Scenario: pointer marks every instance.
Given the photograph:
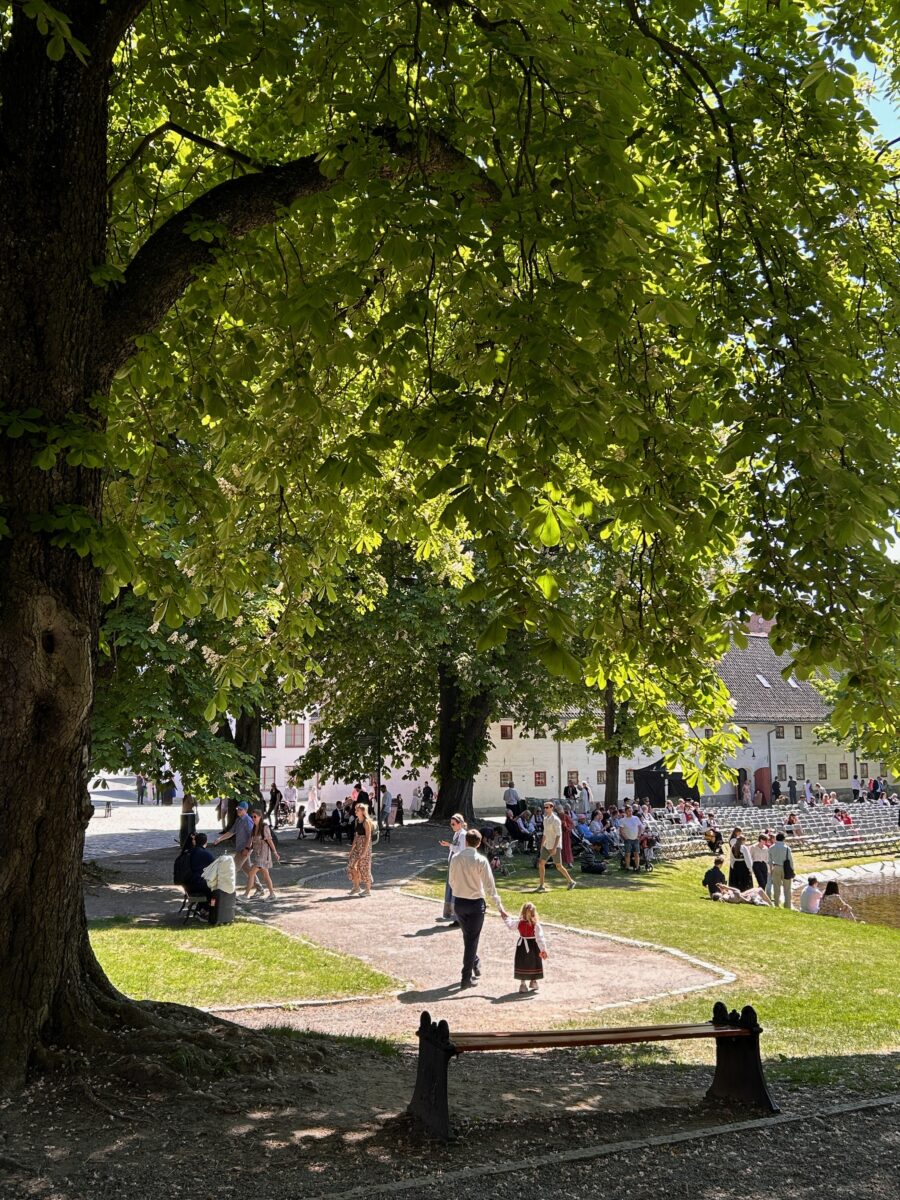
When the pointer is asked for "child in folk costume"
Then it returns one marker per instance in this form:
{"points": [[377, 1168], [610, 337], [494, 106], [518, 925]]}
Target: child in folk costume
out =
{"points": [[531, 948]]}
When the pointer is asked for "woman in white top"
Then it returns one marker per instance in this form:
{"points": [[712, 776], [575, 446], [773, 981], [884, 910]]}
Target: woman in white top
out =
{"points": [[454, 846]]}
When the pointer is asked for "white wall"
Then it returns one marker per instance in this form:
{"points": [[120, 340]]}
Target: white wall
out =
{"points": [[523, 756]]}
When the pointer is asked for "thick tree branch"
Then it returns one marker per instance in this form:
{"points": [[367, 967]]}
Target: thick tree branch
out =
{"points": [[189, 242], [176, 254]]}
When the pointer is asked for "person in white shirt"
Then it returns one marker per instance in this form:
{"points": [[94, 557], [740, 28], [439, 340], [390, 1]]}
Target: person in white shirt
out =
{"points": [[386, 801], [455, 845], [759, 860], [854, 787], [585, 797], [471, 880], [630, 829], [511, 798], [551, 847], [811, 896]]}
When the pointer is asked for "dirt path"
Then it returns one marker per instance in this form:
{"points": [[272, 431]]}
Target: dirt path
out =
{"points": [[399, 933]]}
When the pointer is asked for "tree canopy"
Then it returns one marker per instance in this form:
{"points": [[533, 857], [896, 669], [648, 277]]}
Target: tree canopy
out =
{"points": [[282, 280]]}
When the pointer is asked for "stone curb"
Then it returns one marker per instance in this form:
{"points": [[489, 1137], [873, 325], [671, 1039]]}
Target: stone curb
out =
{"points": [[461, 1178], [864, 873]]}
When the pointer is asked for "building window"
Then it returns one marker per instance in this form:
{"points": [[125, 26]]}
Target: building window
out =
{"points": [[572, 777], [540, 779], [793, 682], [801, 771], [762, 679], [707, 733], [269, 739], [506, 779], [267, 777], [601, 777], [864, 770], [844, 771], [629, 776], [782, 772], [506, 733], [884, 768], [779, 731], [294, 736], [823, 770], [798, 731]]}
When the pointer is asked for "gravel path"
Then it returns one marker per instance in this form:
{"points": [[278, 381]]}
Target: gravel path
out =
{"points": [[399, 933]]}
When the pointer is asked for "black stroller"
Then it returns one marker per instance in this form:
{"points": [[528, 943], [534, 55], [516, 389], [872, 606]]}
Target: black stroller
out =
{"points": [[649, 842]]}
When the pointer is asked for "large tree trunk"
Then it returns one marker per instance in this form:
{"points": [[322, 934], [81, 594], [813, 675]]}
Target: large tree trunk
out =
{"points": [[612, 759], [462, 736], [52, 200]]}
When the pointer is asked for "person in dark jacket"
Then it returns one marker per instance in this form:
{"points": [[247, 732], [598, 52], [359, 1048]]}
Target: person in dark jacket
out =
{"points": [[714, 876], [200, 859]]}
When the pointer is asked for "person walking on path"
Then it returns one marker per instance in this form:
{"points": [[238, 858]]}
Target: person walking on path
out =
{"points": [[551, 847], [531, 949], [471, 880], [262, 848], [781, 869], [141, 784], [242, 832], [359, 865], [454, 846]]}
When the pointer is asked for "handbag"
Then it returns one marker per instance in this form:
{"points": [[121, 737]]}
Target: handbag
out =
{"points": [[789, 872]]}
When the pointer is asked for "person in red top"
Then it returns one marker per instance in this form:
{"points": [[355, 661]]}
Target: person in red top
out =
{"points": [[568, 824], [531, 949]]}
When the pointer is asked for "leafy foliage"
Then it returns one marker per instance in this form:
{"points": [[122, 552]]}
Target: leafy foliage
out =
{"points": [[156, 695], [533, 277]]}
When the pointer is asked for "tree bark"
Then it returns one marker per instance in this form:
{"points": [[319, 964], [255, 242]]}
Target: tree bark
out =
{"points": [[462, 738], [53, 130]]}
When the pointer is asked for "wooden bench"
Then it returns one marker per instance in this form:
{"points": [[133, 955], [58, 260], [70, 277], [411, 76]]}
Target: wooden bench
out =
{"points": [[738, 1075]]}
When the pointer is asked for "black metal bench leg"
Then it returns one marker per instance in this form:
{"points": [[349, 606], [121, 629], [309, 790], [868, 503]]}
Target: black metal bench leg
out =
{"points": [[739, 1072], [429, 1105]]}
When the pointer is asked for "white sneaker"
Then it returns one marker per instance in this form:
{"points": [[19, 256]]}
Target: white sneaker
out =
{"points": [[355, 891], [367, 892], [523, 987]]}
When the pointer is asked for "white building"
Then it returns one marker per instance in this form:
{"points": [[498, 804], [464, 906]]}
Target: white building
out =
{"points": [[779, 715]]}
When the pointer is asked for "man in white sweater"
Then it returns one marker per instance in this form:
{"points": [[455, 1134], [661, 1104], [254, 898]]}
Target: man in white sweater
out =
{"points": [[471, 880], [551, 846]]}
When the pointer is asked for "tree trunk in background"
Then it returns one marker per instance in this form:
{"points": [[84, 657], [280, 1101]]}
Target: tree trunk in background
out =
{"points": [[612, 760], [462, 737], [248, 739], [53, 128]]}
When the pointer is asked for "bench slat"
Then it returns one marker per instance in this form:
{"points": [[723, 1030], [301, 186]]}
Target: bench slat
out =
{"points": [[542, 1039]]}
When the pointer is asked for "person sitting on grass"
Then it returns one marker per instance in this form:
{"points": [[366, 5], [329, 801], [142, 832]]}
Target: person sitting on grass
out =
{"points": [[714, 876], [833, 904], [733, 895]]}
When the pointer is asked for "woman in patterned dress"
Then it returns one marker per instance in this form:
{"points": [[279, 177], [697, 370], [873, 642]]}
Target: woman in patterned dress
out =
{"points": [[359, 865], [262, 847]]}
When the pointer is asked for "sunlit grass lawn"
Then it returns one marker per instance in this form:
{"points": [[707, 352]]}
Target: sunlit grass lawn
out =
{"points": [[821, 987], [241, 963]]}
